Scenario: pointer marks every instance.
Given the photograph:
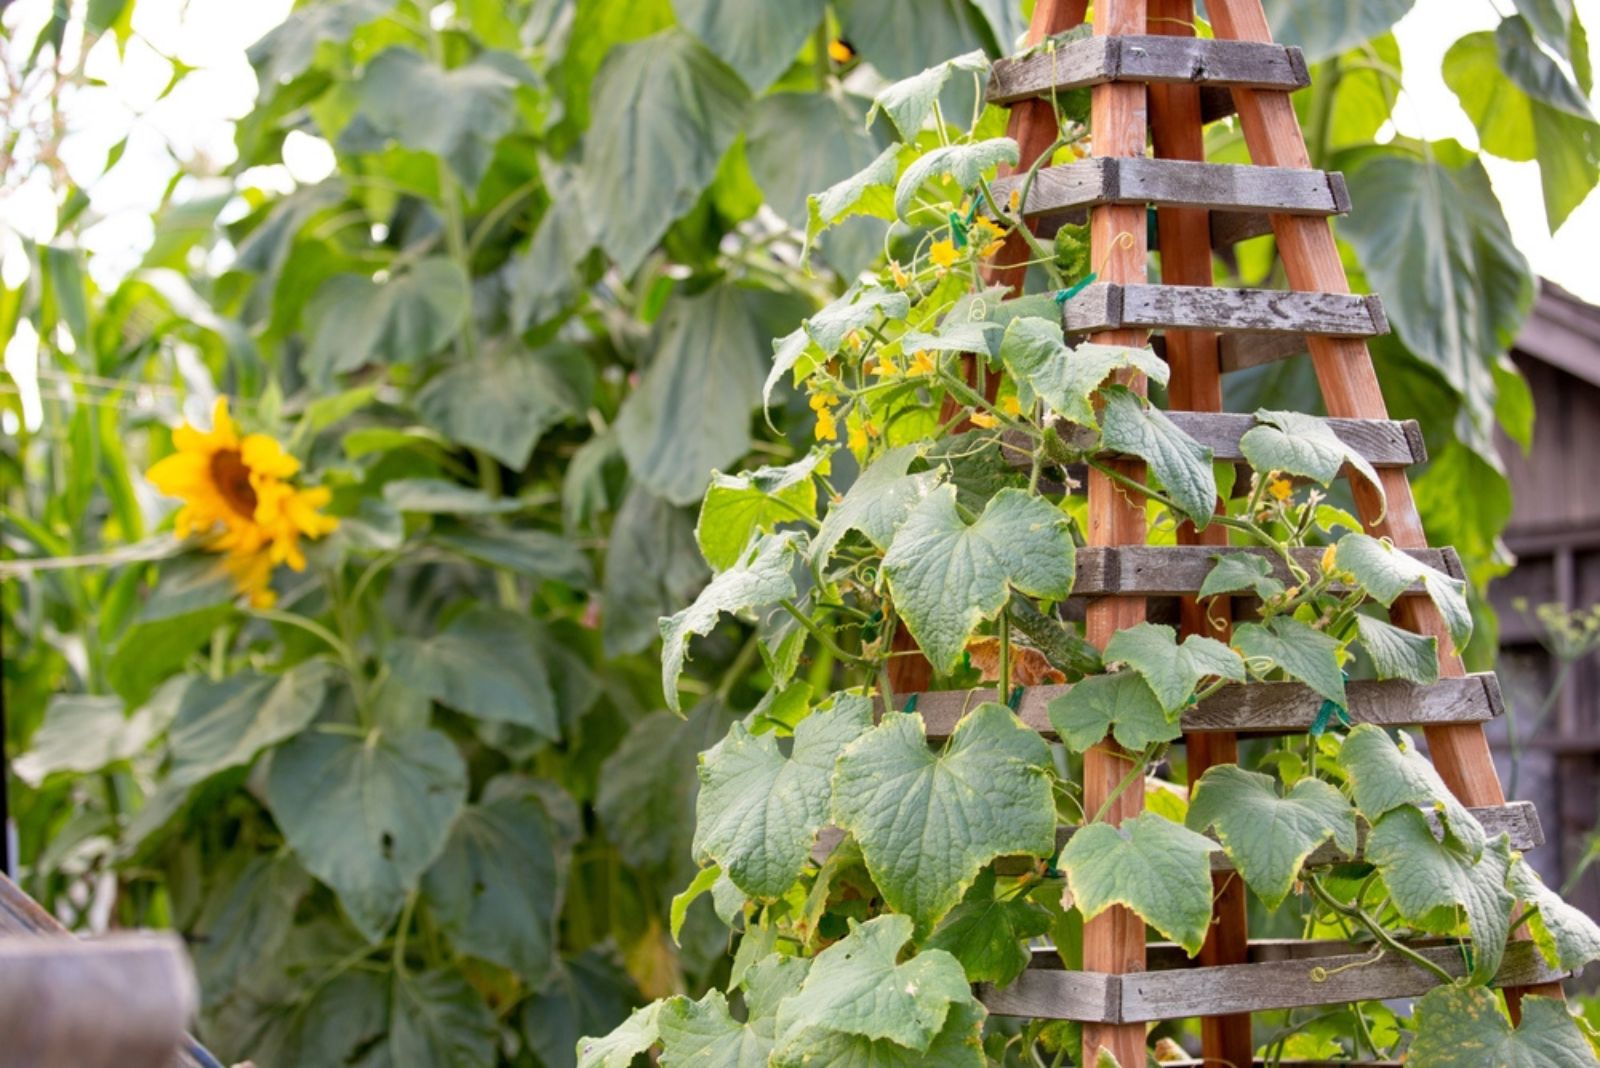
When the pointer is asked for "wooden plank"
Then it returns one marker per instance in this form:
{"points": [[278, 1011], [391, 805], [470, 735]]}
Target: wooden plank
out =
{"points": [[1147, 58], [1109, 306], [1228, 228], [1302, 979], [120, 1002], [1259, 707], [1075, 186], [1175, 570]]}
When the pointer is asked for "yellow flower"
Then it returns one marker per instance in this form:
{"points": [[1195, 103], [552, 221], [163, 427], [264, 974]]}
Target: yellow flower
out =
{"points": [[858, 437], [819, 401], [884, 367], [827, 426], [235, 492], [988, 236], [839, 50], [901, 279], [943, 253], [921, 363], [1010, 404], [1014, 201], [1281, 488], [1328, 556], [984, 419]]}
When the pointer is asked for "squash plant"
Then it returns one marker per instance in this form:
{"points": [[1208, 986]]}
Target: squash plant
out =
{"points": [[947, 513]]}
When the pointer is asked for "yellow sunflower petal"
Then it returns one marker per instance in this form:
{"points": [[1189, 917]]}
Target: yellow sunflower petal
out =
{"points": [[264, 456]]}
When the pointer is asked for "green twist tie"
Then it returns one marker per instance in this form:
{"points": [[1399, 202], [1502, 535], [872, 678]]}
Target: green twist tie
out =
{"points": [[1015, 699], [958, 231], [1325, 714], [911, 704], [1064, 295]]}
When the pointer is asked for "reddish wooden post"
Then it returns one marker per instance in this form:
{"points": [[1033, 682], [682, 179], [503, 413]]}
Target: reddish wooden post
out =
{"points": [[1196, 385], [1113, 941], [1460, 751]]}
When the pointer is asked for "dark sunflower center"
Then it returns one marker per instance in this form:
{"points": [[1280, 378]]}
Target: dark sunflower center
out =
{"points": [[232, 479]]}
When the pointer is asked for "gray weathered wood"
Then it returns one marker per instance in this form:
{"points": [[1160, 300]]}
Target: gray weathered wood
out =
{"points": [[1108, 306], [1240, 352], [20, 915], [1176, 570], [1381, 442], [1517, 819], [1215, 186], [120, 1002], [1258, 707], [1097, 60], [1309, 977]]}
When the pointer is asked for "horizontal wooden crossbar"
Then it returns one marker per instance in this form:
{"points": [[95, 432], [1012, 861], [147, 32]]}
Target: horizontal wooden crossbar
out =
{"points": [[1381, 442], [1142, 58], [1307, 973], [1179, 570], [1518, 820], [1074, 187], [1108, 306], [1257, 707]]}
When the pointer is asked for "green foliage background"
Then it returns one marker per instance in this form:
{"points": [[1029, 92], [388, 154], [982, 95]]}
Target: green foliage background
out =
{"points": [[432, 809]]}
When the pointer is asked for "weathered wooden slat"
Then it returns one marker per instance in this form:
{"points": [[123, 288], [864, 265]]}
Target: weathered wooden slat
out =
{"points": [[1170, 182], [1106, 306], [1306, 977], [1259, 707], [1176, 570], [121, 1002], [1517, 819], [1143, 58]]}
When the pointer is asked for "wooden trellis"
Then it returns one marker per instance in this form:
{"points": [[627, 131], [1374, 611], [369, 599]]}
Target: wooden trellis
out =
{"points": [[1154, 86]]}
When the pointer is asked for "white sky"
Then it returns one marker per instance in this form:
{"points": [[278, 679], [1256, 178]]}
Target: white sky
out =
{"points": [[211, 35]]}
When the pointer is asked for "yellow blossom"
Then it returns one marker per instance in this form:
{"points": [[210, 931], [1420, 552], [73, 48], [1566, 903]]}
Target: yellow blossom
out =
{"points": [[819, 401], [901, 279], [921, 363], [1010, 404], [858, 438], [1281, 488], [984, 419], [988, 236], [236, 494], [885, 367], [1328, 556], [943, 253], [827, 426], [839, 50], [1014, 201]]}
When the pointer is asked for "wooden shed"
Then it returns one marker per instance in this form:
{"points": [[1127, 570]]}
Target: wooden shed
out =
{"points": [[1555, 535]]}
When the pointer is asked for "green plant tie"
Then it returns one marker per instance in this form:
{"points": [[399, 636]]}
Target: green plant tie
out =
{"points": [[959, 225], [1152, 233], [1064, 295], [1327, 711], [966, 661], [1015, 699], [911, 704]]}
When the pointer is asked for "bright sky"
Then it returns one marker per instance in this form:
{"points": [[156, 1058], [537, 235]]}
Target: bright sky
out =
{"points": [[195, 120]]}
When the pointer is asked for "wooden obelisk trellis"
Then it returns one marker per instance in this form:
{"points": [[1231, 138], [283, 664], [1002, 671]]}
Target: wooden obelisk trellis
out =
{"points": [[1152, 78]]}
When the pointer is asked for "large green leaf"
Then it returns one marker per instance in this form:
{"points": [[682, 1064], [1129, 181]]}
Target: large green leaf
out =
{"points": [[288, 49], [909, 101], [1424, 875], [438, 496], [1385, 572], [632, 1037], [354, 320], [1179, 463], [758, 40], [875, 504], [948, 576], [245, 920], [458, 115], [653, 568], [1268, 836], [837, 144], [958, 1045], [587, 994], [928, 820], [763, 576], [665, 110], [1234, 572], [547, 276], [858, 987], [858, 308], [1397, 653], [705, 1033], [367, 815], [504, 401], [437, 1018], [1433, 240], [989, 935], [1566, 936], [1159, 869], [1173, 670], [1121, 704], [83, 733], [1066, 378], [1385, 776], [486, 663], [737, 506], [1323, 30], [225, 724], [902, 37], [870, 191], [1299, 649], [759, 810], [538, 554], [964, 163], [327, 1024], [709, 359], [1462, 1027], [497, 887], [1304, 445]]}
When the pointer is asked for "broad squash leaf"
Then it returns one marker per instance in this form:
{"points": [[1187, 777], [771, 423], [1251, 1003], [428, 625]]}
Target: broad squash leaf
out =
{"points": [[988, 934], [653, 568], [438, 1018], [948, 576], [1323, 30], [289, 48], [1179, 463], [909, 101], [1566, 936], [1066, 379], [633, 1036], [86, 732], [1397, 653], [1234, 572], [876, 504], [870, 191], [928, 820], [354, 320], [1159, 869], [1386, 573], [1303, 445], [585, 995], [858, 308], [959, 1044], [1120, 704], [1386, 775], [737, 506], [1268, 836], [225, 724], [964, 163], [758, 40], [487, 663], [1173, 670], [837, 145], [1299, 649], [246, 919], [504, 401], [705, 1033], [1460, 1027]]}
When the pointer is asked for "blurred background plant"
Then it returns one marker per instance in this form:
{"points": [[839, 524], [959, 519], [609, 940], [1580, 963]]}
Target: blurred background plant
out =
{"points": [[502, 277]]}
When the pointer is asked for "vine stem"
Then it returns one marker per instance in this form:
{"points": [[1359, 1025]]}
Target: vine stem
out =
{"points": [[1134, 775], [1376, 929], [816, 632]]}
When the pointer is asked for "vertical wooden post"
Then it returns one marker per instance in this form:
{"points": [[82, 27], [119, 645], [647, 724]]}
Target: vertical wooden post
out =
{"points": [[1114, 941], [1033, 126], [1350, 389], [1196, 385]]}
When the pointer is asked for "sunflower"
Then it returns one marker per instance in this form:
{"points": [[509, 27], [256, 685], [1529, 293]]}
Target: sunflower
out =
{"points": [[237, 494]]}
